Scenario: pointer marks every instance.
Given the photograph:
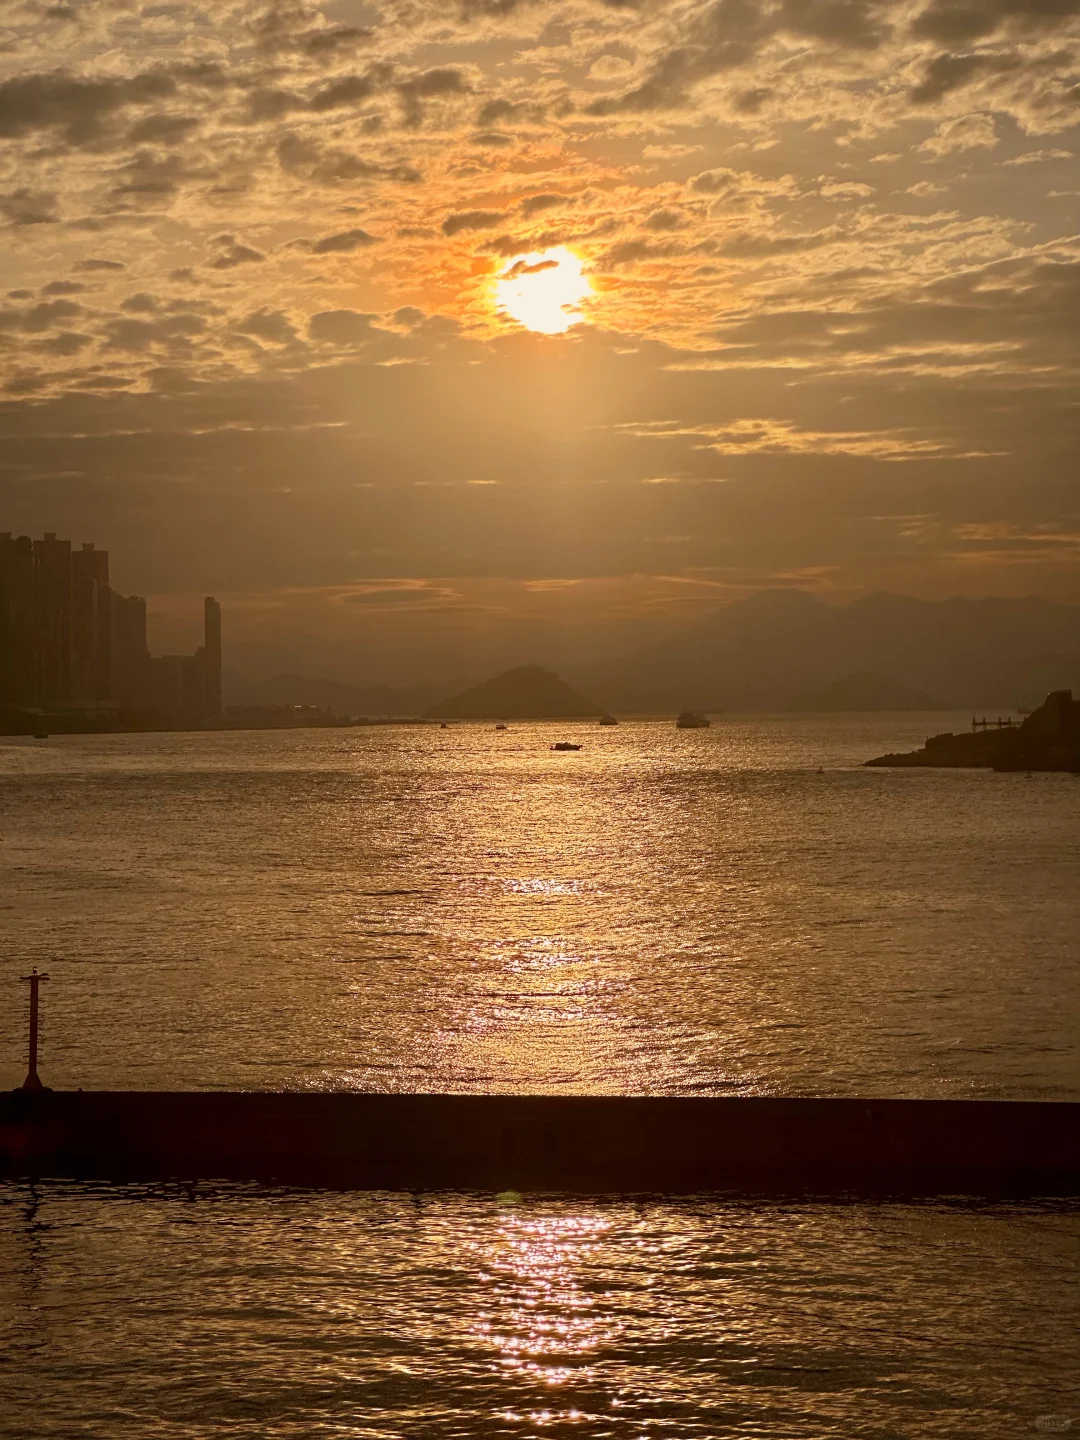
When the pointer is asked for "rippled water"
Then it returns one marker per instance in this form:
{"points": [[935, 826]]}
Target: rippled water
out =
{"points": [[736, 910], [741, 909], [237, 1313]]}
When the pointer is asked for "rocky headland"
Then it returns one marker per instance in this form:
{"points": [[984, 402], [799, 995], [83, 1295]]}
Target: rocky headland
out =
{"points": [[1049, 739]]}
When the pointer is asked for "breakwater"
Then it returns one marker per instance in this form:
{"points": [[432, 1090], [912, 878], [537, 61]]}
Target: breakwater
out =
{"points": [[582, 1144]]}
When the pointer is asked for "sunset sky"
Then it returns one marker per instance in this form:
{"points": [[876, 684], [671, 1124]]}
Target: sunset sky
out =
{"points": [[418, 331]]}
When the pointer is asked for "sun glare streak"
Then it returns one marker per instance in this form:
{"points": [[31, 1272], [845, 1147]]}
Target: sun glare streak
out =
{"points": [[543, 290], [542, 1321]]}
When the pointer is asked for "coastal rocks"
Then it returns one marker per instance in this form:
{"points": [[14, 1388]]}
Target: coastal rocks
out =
{"points": [[1049, 739]]}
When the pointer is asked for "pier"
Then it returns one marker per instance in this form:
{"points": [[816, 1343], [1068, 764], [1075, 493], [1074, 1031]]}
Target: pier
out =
{"points": [[759, 1146]]}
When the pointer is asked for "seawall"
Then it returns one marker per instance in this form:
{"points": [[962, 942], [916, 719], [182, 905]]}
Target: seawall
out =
{"points": [[583, 1144]]}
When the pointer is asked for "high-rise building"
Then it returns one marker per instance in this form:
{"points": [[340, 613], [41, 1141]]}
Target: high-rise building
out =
{"points": [[68, 642], [52, 584], [211, 659], [18, 622], [130, 657], [91, 626]]}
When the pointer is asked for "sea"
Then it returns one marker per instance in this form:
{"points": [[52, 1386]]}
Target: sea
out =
{"points": [[742, 910]]}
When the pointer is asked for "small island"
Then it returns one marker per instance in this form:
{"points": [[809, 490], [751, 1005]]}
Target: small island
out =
{"points": [[1049, 739], [527, 693]]}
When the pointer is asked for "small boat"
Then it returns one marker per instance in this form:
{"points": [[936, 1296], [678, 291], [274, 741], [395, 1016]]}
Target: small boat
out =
{"points": [[606, 719], [692, 720], [565, 745], [502, 727]]}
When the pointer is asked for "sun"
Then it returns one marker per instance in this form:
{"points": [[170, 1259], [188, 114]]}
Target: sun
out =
{"points": [[543, 290]]}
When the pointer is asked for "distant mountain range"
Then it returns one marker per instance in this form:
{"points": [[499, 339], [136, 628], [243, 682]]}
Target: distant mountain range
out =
{"points": [[768, 651], [863, 692], [763, 652], [336, 695]]}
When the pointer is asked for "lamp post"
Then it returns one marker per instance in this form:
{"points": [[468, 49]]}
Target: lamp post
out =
{"points": [[32, 1082]]}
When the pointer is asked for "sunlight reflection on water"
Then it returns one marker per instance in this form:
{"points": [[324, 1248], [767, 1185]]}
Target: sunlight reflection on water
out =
{"points": [[738, 910]]}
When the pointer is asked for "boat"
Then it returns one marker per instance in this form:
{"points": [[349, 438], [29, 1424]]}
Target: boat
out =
{"points": [[502, 727], [606, 719], [692, 720], [565, 745]]}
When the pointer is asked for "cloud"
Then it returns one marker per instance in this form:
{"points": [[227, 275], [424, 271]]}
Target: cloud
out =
{"points": [[1000, 317], [954, 22], [534, 204], [76, 105], [411, 593], [333, 41], [351, 89], [269, 325], [66, 343], [772, 436], [664, 220], [524, 268], [149, 179], [428, 85], [846, 190], [966, 132], [25, 207], [503, 111], [1039, 157], [729, 35], [331, 165], [341, 327], [946, 73], [740, 184], [471, 220], [752, 102], [343, 242], [171, 332], [36, 319], [292, 26], [163, 129], [232, 253]]}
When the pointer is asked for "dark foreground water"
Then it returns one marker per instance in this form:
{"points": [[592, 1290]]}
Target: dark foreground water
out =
{"points": [[241, 1313], [738, 910]]}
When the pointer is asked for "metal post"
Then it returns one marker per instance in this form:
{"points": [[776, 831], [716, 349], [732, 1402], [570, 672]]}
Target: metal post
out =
{"points": [[32, 1082]]}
